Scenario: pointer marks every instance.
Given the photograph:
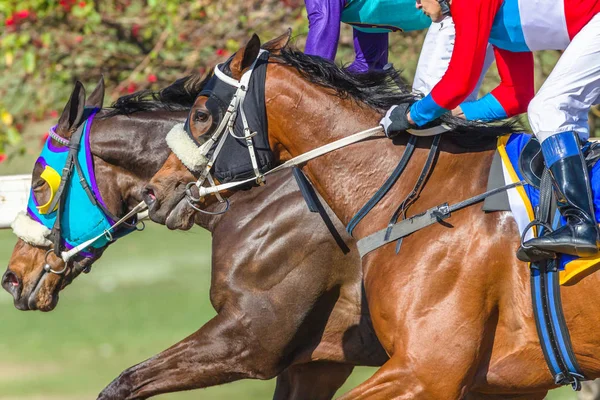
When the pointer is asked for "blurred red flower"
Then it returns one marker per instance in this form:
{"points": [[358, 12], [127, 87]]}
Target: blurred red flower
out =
{"points": [[131, 88], [67, 4], [44, 138], [2, 158], [152, 78], [10, 21], [53, 114], [221, 52], [82, 4], [21, 14]]}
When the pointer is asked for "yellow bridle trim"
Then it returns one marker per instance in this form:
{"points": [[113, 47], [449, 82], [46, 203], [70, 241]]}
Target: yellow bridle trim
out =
{"points": [[52, 178]]}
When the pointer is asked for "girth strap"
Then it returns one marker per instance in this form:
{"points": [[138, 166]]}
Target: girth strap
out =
{"points": [[315, 205], [423, 220], [547, 305]]}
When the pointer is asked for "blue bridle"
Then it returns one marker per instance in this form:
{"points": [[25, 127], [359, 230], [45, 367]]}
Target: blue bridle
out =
{"points": [[78, 202]]}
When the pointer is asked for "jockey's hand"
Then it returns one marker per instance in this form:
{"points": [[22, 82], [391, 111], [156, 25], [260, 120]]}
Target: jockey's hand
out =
{"points": [[396, 120]]}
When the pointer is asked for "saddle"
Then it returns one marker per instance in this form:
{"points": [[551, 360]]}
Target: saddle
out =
{"points": [[531, 160]]}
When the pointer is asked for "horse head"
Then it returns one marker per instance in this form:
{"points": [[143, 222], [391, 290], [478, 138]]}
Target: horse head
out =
{"points": [[114, 160], [213, 117]]}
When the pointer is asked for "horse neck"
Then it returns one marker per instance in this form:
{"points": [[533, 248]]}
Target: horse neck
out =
{"points": [[128, 151], [348, 177]]}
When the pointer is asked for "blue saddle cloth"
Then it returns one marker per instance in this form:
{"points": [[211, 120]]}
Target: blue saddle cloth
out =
{"points": [[513, 147]]}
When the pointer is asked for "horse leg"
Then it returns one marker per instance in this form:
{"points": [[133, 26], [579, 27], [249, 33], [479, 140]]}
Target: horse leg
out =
{"points": [[222, 351], [312, 381], [440, 363], [398, 379]]}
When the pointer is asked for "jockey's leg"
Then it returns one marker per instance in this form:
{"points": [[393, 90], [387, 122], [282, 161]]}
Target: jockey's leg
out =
{"points": [[558, 114], [435, 57], [371, 51]]}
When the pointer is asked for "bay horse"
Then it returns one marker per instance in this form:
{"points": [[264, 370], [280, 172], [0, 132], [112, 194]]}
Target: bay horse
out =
{"points": [[310, 346], [453, 309]]}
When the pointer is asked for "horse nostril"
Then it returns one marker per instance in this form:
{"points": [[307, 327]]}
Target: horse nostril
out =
{"points": [[10, 281], [149, 196]]}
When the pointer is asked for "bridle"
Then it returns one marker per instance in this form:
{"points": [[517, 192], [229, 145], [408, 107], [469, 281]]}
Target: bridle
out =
{"points": [[206, 154], [48, 220], [201, 157]]}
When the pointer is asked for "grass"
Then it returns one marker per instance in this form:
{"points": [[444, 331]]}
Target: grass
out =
{"points": [[149, 291]]}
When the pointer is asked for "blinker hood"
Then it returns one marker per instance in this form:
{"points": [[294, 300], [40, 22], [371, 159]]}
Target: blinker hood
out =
{"points": [[233, 162]]}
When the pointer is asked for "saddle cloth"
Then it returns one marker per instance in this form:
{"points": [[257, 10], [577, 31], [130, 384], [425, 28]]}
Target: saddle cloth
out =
{"points": [[522, 200]]}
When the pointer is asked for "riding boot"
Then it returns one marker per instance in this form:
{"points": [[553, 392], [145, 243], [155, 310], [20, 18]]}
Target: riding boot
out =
{"points": [[579, 237]]}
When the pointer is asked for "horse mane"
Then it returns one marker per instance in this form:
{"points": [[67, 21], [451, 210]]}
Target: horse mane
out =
{"points": [[382, 89], [179, 96]]}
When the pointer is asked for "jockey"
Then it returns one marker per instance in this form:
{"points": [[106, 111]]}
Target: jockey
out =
{"points": [[372, 20], [557, 114]]}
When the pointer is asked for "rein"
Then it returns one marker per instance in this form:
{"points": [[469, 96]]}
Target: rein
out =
{"points": [[296, 161]]}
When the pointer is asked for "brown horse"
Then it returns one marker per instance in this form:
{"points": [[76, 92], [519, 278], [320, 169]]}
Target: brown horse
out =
{"points": [[453, 308], [311, 344]]}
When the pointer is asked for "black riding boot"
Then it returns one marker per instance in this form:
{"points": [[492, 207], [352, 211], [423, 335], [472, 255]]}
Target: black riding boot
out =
{"points": [[579, 237]]}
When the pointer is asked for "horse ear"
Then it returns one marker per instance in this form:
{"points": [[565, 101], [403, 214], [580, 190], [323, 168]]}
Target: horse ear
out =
{"points": [[96, 99], [274, 46], [244, 57], [71, 116]]}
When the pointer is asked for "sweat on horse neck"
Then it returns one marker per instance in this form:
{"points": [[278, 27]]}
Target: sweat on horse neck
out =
{"points": [[347, 177]]}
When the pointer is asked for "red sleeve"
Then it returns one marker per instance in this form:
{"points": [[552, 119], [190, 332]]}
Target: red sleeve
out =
{"points": [[516, 87], [473, 21]]}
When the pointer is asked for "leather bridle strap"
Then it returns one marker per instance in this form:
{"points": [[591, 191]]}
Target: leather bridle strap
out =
{"points": [[315, 205], [59, 199], [227, 127]]}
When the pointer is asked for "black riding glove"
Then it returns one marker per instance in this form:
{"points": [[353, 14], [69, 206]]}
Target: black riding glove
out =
{"points": [[396, 120]]}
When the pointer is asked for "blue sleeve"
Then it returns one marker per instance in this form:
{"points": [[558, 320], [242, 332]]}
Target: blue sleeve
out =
{"points": [[487, 108], [324, 19], [426, 110]]}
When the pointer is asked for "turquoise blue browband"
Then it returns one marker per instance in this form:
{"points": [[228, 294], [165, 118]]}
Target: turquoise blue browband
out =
{"points": [[83, 214]]}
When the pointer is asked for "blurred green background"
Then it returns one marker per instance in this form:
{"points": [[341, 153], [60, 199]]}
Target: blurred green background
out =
{"points": [[150, 289]]}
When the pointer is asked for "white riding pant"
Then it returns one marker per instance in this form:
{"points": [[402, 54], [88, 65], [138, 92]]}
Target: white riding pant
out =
{"points": [[564, 100], [435, 57]]}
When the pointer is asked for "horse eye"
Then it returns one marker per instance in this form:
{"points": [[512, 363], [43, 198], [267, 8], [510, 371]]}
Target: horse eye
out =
{"points": [[201, 116], [38, 183]]}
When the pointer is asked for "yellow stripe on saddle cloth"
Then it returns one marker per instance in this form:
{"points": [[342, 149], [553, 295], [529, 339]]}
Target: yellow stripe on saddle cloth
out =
{"points": [[522, 210]]}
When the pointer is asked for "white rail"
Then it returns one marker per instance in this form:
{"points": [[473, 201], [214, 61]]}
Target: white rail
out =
{"points": [[14, 194]]}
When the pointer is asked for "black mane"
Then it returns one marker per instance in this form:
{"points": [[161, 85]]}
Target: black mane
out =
{"points": [[179, 96], [382, 89]]}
